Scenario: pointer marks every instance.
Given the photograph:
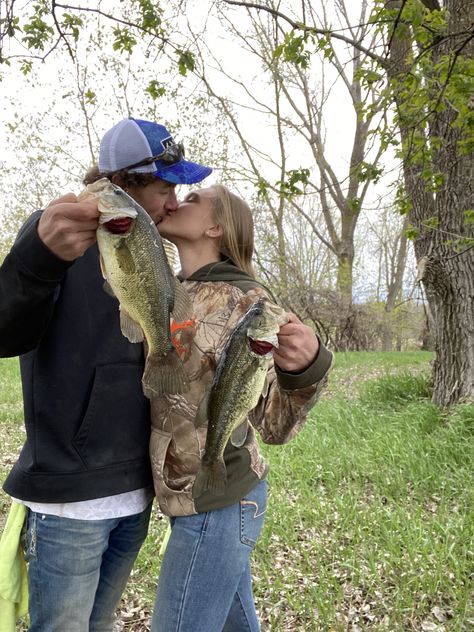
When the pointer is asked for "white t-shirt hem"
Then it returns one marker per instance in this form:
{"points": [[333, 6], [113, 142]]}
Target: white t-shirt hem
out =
{"points": [[117, 506]]}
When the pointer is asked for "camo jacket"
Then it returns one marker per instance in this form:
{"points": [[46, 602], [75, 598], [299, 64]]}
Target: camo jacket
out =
{"points": [[221, 294]]}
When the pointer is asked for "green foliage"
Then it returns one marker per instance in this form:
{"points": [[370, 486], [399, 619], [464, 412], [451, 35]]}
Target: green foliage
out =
{"points": [[437, 82], [155, 89], [26, 66], [38, 33], [367, 171], [298, 45], [369, 74], [457, 75], [434, 180], [124, 41], [45, 23], [402, 202], [461, 244], [10, 26], [354, 204], [469, 217], [72, 23], [325, 46], [431, 223], [262, 187], [186, 61], [290, 186], [90, 96], [293, 49], [151, 16], [412, 232]]}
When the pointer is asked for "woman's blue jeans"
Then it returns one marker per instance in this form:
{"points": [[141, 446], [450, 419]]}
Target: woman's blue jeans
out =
{"points": [[205, 583], [77, 569]]}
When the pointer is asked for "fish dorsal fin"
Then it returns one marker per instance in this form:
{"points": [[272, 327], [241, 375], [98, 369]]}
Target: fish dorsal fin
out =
{"points": [[182, 309], [124, 257], [171, 253], [239, 434], [130, 328], [202, 411]]}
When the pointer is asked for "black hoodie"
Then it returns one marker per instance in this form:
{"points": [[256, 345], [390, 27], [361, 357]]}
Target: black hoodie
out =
{"points": [[87, 421]]}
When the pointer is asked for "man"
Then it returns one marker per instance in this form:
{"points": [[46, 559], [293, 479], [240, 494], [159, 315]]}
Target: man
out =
{"points": [[84, 471]]}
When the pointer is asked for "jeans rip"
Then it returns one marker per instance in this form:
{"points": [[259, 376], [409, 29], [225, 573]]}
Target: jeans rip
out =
{"points": [[30, 536]]}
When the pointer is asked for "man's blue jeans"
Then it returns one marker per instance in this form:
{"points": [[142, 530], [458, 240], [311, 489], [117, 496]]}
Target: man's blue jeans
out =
{"points": [[78, 569], [205, 581]]}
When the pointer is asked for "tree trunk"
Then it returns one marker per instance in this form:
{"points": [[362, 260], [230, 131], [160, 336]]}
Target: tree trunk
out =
{"points": [[345, 278], [449, 275], [447, 272], [395, 288]]}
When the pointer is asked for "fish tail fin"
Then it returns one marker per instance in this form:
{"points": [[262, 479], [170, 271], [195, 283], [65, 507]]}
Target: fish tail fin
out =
{"points": [[164, 375], [210, 477]]}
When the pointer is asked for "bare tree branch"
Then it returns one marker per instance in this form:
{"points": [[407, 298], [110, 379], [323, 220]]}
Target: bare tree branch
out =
{"points": [[310, 29]]}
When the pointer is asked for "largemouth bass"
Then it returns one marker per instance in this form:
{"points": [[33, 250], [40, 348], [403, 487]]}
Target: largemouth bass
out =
{"points": [[136, 269], [236, 387]]}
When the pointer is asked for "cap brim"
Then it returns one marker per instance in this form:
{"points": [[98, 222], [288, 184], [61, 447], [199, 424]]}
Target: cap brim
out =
{"points": [[183, 172]]}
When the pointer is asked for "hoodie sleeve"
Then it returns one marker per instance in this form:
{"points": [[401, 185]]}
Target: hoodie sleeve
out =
{"points": [[287, 398], [29, 281]]}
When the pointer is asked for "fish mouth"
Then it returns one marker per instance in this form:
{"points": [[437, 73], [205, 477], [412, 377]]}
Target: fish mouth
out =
{"points": [[263, 346], [118, 225]]}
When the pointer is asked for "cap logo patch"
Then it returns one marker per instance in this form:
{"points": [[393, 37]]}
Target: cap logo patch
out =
{"points": [[166, 142]]}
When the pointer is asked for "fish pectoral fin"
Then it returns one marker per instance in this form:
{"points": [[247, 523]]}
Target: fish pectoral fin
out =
{"points": [[130, 328], [106, 286], [202, 411], [124, 257], [102, 266], [182, 308], [239, 434]]}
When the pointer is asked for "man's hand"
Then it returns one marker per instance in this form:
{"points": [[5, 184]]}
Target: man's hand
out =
{"points": [[298, 346], [67, 227]]}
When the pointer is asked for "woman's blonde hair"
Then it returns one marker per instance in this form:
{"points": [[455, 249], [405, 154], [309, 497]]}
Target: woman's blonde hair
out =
{"points": [[235, 218]]}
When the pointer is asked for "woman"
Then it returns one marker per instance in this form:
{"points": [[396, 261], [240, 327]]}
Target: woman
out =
{"points": [[205, 579]]}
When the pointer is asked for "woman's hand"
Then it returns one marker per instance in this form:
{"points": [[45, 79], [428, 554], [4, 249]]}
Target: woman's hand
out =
{"points": [[298, 346]]}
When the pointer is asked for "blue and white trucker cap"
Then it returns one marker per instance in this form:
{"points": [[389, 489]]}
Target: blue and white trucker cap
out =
{"points": [[145, 147]]}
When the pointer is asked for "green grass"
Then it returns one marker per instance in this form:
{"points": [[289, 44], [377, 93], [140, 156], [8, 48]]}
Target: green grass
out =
{"points": [[370, 523]]}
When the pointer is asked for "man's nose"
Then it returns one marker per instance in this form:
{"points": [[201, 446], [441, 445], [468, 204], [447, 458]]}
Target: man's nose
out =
{"points": [[171, 203]]}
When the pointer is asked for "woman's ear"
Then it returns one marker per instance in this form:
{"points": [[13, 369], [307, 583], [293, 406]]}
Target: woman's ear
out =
{"points": [[215, 231]]}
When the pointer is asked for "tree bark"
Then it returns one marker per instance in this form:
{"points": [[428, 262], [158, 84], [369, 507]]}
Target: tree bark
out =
{"points": [[447, 272]]}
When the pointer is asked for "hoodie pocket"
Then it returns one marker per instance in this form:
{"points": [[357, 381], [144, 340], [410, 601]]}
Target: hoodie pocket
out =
{"points": [[116, 425], [173, 502]]}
